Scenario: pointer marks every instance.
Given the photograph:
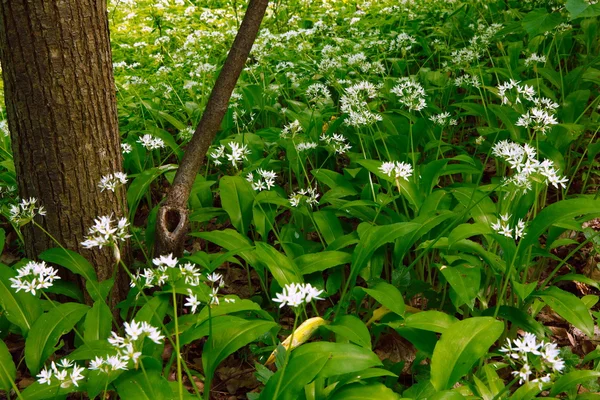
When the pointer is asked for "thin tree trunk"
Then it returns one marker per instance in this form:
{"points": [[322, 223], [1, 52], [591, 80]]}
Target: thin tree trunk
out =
{"points": [[61, 109], [172, 220]]}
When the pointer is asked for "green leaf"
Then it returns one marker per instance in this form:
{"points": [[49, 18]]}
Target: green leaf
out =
{"points": [[465, 282], [77, 264], [237, 199], [313, 262], [8, 371], [229, 339], [37, 391], [434, 321], [2, 239], [66, 288], [198, 332], [387, 295], [352, 329], [281, 267], [317, 360], [408, 188], [230, 239], [143, 385], [372, 238], [554, 213], [22, 309], [570, 307], [465, 231], [47, 330], [518, 318], [582, 8], [98, 322], [460, 346], [572, 380], [359, 391], [138, 188], [329, 225], [481, 207], [538, 21]]}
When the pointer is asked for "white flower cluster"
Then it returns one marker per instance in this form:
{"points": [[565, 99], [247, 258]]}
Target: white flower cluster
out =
{"points": [[126, 148], [127, 347], [34, 276], [186, 134], [502, 226], [411, 94], [397, 168], [318, 93], [539, 117], [309, 195], [305, 146], [265, 181], [337, 141], [23, 212], [354, 102], [237, 153], [158, 276], [402, 42], [506, 88], [534, 58], [217, 282], [112, 181], [150, 142], [443, 119], [523, 160], [103, 233], [61, 373], [296, 294], [533, 358], [467, 80], [291, 130]]}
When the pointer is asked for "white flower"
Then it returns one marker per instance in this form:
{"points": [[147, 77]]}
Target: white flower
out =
{"points": [[150, 142], [192, 301], [397, 169], [355, 103], [534, 58], [309, 195], [300, 147], [112, 181], [34, 276], [411, 94], [126, 148], [291, 129], [103, 233], [133, 329], [168, 261], [295, 294], [23, 212], [45, 376]]}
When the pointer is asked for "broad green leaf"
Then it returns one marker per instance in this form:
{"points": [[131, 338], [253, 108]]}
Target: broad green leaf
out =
{"points": [[218, 324], [47, 330], [77, 264], [540, 20], [465, 282], [387, 295], [92, 349], [329, 225], [66, 288], [143, 385], [408, 189], [359, 391], [318, 360], [434, 321], [528, 391], [138, 188], [465, 231], [229, 339], [518, 318], [570, 307], [582, 8], [8, 371], [98, 322], [572, 380], [426, 223], [554, 213], [281, 267], [481, 207], [230, 239], [22, 309], [2, 239], [352, 329], [460, 346], [237, 199], [372, 238], [313, 262], [447, 395], [37, 391]]}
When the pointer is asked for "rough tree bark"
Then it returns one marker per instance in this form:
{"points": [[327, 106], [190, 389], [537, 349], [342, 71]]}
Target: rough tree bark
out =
{"points": [[172, 220], [61, 110]]}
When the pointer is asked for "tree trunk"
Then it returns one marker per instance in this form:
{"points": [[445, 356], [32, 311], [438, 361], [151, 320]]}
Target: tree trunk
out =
{"points": [[172, 220], [61, 109]]}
